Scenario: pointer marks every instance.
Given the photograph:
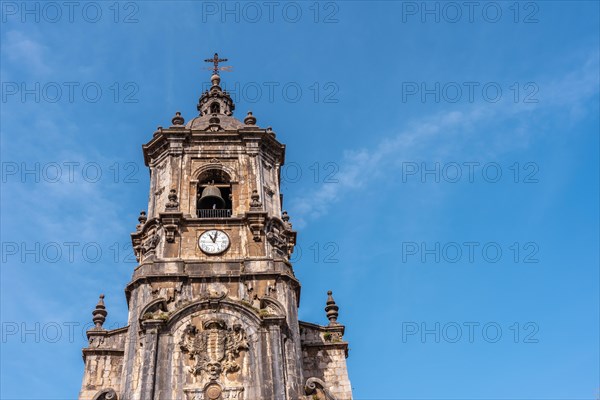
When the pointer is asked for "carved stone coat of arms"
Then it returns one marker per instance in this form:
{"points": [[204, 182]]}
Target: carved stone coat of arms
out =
{"points": [[215, 349]]}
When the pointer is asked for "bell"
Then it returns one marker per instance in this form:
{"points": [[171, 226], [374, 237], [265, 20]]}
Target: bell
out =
{"points": [[211, 198]]}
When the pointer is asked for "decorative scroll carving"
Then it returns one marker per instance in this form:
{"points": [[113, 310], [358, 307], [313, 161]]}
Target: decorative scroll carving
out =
{"points": [[150, 243], [106, 394], [316, 386], [215, 349], [146, 240], [280, 236], [275, 237]]}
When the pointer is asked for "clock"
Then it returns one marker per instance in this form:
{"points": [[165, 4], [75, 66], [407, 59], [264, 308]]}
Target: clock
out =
{"points": [[213, 242]]}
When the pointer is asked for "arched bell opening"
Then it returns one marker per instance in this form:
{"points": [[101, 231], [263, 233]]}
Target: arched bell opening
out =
{"points": [[214, 194]]}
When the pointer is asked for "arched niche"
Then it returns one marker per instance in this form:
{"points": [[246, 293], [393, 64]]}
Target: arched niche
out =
{"points": [[191, 356], [214, 191]]}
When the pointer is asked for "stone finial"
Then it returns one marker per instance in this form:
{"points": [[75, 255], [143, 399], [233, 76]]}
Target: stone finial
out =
{"points": [[331, 309], [177, 119], [286, 220], [173, 204], [100, 313], [250, 119], [215, 100], [142, 219], [255, 199]]}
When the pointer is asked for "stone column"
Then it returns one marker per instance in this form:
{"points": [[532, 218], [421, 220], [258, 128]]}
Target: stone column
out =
{"points": [[277, 360], [151, 329]]}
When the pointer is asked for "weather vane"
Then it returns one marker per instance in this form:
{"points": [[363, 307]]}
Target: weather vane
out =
{"points": [[215, 61]]}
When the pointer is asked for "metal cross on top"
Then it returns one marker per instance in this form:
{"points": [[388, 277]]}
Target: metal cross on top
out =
{"points": [[216, 60]]}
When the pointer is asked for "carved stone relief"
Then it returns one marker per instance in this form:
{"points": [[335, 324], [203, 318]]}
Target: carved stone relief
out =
{"points": [[215, 349], [215, 392], [169, 293], [149, 244], [316, 387], [279, 236]]}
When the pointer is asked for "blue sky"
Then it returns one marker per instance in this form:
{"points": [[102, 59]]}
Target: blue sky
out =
{"points": [[442, 172]]}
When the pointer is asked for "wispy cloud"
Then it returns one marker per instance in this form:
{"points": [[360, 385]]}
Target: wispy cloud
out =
{"points": [[453, 134], [23, 51]]}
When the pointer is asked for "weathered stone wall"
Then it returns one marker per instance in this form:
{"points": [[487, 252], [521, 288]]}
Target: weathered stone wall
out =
{"points": [[181, 169], [324, 355], [103, 361], [101, 371]]}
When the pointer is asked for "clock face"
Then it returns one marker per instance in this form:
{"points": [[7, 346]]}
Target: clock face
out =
{"points": [[213, 241]]}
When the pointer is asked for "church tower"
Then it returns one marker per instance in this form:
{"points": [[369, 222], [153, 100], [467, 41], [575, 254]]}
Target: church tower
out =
{"points": [[213, 303]]}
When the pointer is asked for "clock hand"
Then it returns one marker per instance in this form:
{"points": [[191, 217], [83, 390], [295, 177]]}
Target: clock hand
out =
{"points": [[214, 238]]}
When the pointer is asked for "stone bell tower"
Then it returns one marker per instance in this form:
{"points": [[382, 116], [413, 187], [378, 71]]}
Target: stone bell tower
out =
{"points": [[213, 303]]}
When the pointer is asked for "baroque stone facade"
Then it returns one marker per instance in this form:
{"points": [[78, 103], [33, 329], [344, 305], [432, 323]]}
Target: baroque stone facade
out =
{"points": [[213, 303]]}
